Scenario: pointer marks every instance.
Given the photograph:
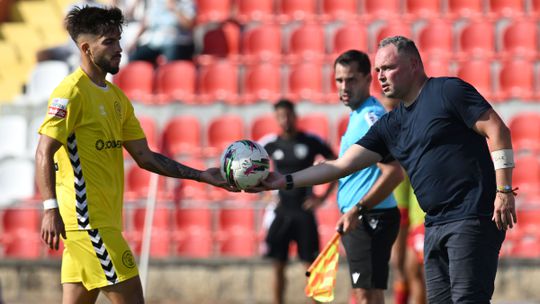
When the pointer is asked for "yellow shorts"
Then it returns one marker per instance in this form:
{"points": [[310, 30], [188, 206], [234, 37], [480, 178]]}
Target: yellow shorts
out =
{"points": [[97, 258]]}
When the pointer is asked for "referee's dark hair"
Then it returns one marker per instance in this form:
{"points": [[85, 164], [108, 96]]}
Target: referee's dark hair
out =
{"points": [[350, 56], [284, 103]]}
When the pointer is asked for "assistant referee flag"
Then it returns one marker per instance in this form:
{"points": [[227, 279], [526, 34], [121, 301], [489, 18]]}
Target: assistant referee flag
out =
{"points": [[322, 272]]}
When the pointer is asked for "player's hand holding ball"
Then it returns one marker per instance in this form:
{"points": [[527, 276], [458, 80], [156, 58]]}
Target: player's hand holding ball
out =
{"points": [[244, 164]]}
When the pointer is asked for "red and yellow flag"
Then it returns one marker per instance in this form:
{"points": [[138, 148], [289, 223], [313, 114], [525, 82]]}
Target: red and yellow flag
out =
{"points": [[322, 272]]}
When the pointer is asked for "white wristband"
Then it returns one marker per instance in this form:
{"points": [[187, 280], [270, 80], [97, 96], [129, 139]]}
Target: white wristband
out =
{"points": [[503, 159], [50, 203]]}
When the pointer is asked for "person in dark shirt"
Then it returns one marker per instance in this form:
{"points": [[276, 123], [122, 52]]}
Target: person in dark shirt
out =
{"points": [[440, 134], [294, 220]]}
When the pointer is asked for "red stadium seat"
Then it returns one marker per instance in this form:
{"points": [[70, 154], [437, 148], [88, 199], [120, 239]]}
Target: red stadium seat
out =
{"points": [[478, 73], [327, 218], [20, 233], [516, 80], [339, 10], [218, 81], [160, 244], [305, 82], [465, 8], [264, 125], [437, 66], [435, 39], [352, 35], [315, 123], [261, 82], [535, 8], [182, 136], [194, 232], [236, 232], [213, 10], [506, 8], [222, 131], [477, 40], [262, 43], [175, 81], [306, 43], [290, 10], [254, 10], [526, 174], [220, 42], [520, 39], [426, 9], [138, 185], [392, 28], [382, 9], [148, 124], [136, 79], [525, 128]]}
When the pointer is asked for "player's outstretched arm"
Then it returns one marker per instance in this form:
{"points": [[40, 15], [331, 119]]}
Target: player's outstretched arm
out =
{"points": [[161, 164], [354, 159], [52, 225]]}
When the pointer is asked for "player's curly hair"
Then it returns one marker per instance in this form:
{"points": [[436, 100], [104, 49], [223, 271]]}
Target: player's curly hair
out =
{"points": [[93, 20]]}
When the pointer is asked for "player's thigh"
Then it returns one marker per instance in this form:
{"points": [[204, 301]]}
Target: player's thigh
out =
{"points": [[126, 292], [436, 266], [76, 293], [473, 252]]}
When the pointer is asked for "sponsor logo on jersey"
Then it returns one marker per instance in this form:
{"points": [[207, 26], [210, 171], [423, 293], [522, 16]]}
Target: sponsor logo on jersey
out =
{"points": [[371, 118], [58, 107], [108, 144]]}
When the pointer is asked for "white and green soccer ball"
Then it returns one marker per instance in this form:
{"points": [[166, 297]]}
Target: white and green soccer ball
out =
{"points": [[244, 164]]}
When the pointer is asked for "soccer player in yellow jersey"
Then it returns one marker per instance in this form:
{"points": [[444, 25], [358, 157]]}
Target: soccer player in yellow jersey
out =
{"points": [[79, 165]]}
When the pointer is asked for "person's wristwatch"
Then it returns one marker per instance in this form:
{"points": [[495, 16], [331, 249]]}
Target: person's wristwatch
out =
{"points": [[289, 183], [360, 209]]}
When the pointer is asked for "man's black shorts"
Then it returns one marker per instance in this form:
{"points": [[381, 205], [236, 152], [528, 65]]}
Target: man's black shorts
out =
{"points": [[293, 225], [368, 248]]}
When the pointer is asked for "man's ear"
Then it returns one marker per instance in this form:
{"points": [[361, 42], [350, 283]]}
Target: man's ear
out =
{"points": [[85, 47]]}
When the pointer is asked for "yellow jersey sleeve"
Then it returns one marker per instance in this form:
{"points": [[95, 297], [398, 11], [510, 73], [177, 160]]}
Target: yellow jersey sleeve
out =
{"points": [[63, 113]]}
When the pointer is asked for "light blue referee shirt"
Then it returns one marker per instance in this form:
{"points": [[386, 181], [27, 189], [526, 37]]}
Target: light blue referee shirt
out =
{"points": [[353, 187]]}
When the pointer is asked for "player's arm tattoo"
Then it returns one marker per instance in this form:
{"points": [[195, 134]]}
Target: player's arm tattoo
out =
{"points": [[166, 166]]}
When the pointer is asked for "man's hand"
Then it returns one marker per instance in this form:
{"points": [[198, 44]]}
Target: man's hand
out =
{"points": [[504, 212], [273, 181], [52, 227], [312, 202], [213, 177], [348, 221]]}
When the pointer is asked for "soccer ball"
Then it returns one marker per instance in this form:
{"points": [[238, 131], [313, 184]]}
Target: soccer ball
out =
{"points": [[244, 164]]}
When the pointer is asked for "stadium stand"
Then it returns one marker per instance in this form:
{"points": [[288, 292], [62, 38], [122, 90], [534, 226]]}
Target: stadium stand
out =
{"points": [[470, 9], [182, 136], [176, 82], [194, 232], [17, 224], [264, 125], [249, 11], [250, 53]]}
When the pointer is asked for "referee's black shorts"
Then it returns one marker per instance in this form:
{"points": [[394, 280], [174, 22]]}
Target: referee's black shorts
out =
{"points": [[368, 248], [290, 225]]}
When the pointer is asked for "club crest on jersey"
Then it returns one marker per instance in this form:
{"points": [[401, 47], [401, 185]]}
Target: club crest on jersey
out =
{"points": [[58, 107]]}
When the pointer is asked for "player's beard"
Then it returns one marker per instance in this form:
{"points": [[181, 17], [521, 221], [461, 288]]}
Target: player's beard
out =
{"points": [[106, 66]]}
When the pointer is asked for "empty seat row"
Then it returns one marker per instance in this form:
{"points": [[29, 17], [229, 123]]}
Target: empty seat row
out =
{"points": [[315, 41], [213, 232], [328, 10], [225, 81]]}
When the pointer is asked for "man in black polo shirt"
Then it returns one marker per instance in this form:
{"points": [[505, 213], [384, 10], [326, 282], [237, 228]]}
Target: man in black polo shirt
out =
{"points": [[438, 133], [290, 151]]}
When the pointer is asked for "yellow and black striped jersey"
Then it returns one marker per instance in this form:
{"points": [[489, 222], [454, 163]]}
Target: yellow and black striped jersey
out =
{"points": [[91, 122]]}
